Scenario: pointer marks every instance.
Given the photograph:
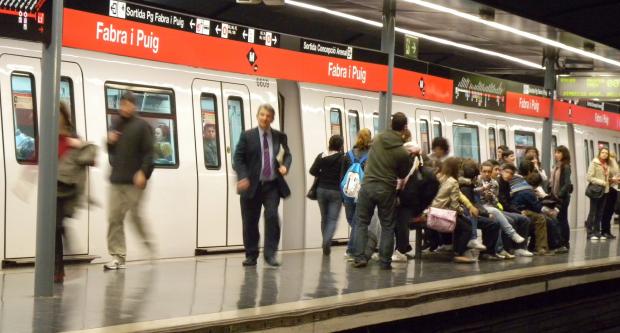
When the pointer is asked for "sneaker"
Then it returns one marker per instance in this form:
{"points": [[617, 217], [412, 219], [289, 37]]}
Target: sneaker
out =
{"points": [[349, 257], [602, 237], [506, 254], [399, 257], [491, 257], [375, 256], [594, 238], [476, 244], [116, 263], [609, 235], [445, 248], [523, 253], [360, 263], [543, 252], [517, 238], [562, 249]]}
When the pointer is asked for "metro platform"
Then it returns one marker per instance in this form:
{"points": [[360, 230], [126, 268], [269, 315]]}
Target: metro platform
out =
{"points": [[308, 293]]}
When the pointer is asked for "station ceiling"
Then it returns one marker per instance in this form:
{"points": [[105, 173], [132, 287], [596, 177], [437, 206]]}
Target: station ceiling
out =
{"points": [[589, 24]]}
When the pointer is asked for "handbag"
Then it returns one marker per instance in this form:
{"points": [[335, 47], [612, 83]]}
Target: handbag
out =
{"points": [[312, 191], [595, 191], [441, 220]]}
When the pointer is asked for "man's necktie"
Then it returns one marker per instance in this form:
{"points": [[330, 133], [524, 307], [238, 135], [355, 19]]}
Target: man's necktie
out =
{"points": [[266, 158]]}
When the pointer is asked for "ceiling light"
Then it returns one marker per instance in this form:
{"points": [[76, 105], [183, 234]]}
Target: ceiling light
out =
{"points": [[417, 34], [515, 31]]}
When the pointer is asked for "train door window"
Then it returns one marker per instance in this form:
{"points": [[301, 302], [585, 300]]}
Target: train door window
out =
{"points": [[523, 140], [502, 137], [437, 131], [616, 149], [593, 153], [24, 117], [210, 135], [335, 121], [354, 126], [156, 106], [375, 122], [466, 141], [492, 144], [603, 144], [66, 96], [235, 121], [424, 136], [554, 142], [587, 151]]}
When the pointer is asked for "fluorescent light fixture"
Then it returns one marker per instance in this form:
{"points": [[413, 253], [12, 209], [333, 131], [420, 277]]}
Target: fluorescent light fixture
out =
{"points": [[413, 33], [515, 31]]}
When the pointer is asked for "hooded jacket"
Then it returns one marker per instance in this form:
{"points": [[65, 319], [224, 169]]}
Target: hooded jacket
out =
{"points": [[387, 160]]}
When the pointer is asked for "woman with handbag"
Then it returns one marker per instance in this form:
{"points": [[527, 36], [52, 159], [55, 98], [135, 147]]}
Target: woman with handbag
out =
{"points": [[326, 168], [561, 188], [447, 209], [612, 197], [598, 187]]}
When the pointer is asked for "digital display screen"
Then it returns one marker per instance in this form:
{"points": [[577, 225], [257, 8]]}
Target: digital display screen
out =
{"points": [[589, 87], [26, 19]]}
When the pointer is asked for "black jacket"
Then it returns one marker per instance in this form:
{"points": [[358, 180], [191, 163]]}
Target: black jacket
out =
{"points": [[133, 151], [419, 191], [327, 168], [566, 186], [247, 160], [504, 196]]}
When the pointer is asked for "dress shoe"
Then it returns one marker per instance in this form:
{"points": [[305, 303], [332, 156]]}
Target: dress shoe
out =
{"points": [[360, 263], [272, 262], [249, 262]]}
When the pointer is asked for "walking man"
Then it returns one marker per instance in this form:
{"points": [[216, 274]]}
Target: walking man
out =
{"points": [[130, 145], [261, 183]]}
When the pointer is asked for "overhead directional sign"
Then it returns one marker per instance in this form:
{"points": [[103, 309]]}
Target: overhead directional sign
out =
{"points": [[25, 19], [589, 87], [411, 47]]}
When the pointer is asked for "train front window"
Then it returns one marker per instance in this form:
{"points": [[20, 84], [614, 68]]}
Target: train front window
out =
{"points": [[235, 121], [24, 117], [466, 141], [156, 107], [523, 140], [354, 126], [210, 131]]}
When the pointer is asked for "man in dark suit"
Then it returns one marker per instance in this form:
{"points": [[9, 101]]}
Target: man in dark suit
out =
{"points": [[261, 183]]}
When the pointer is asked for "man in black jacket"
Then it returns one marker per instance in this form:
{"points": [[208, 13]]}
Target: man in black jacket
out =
{"points": [[130, 145], [261, 183]]}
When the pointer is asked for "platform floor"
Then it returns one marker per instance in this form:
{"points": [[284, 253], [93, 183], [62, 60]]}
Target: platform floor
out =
{"points": [[192, 291]]}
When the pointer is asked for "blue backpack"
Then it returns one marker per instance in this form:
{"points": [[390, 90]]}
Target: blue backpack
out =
{"points": [[352, 180]]}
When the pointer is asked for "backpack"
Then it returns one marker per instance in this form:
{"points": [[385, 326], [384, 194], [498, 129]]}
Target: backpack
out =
{"points": [[352, 180]]}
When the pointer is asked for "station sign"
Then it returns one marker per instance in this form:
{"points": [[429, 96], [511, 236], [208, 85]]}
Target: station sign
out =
{"points": [[26, 19], [576, 114], [589, 87], [527, 105]]}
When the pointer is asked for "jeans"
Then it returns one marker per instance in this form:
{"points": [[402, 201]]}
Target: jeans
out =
{"points": [[596, 215], [608, 211], [554, 233], [521, 224], [490, 232], [461, 234], [330, 204], [501, 219], [563, 221], [383, 197], [349, 210]]}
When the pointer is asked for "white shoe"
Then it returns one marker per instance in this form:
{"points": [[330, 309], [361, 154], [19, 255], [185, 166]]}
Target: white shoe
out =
{"points": [[375, 256], [116, 263], [517, 238], [523, 253], [445, 248], [476, 244], [602, 238], [506, 254], [399, 257]]}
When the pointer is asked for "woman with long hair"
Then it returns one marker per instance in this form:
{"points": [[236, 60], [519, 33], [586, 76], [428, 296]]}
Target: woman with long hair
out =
{"points": [[360, 153], [598, 174], [561, 187]]}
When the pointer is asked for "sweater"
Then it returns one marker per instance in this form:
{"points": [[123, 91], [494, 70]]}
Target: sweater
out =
{"points": [[133, 151], [387, 160], [327, 169]]}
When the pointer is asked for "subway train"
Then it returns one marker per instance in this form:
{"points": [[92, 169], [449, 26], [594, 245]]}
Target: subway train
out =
{"points": [[197, 115]]}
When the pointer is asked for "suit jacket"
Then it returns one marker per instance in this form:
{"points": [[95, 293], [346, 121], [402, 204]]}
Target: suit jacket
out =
{"points": [[247, 160]]}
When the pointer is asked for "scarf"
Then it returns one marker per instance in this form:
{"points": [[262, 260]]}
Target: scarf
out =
{"points": [[555, 180]]}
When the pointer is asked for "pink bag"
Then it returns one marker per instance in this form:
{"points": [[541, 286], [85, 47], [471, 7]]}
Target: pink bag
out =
{"points": [[442, 220]]}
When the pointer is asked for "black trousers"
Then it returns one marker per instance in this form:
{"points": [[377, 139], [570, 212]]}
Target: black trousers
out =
{"points": [[597, 206], [268, 197], [608, 211], [59, 266], [563, 221], [490, 233], [403, 216]]}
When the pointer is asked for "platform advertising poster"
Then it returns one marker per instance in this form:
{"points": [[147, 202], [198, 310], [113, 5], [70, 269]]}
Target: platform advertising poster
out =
{"points": [[479, 91]]}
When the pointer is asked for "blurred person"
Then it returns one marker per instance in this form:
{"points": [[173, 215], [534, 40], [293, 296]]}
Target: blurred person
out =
{"points": [[561, 187], [387, 161], [162, 149], [440, 149], [261, 183], [612, 197], [359, 153], [599, 176], [326, 168], [74, 156], [532, 154], [130, 146], [500, 150], [508, 156], [210, 145]]}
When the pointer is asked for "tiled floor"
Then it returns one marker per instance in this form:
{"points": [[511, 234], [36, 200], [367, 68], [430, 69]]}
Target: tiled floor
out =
{"points": [[165, 289]]}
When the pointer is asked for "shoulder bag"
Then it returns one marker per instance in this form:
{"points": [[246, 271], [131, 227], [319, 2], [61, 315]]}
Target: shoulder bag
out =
{"points": [[441, 220], [595, 191]]}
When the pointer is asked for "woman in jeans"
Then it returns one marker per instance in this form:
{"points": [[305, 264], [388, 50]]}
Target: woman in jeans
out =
{"points": [[598, 174], [326, 168], [561, 187], [360, 150]]}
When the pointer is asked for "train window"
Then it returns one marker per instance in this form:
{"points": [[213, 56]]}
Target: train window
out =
{"points": [[603, 144], [354, 126], [466, 141], [156, 106], [523, 140], [554, 142], [593, 153], [587, 151], [502, 137], [66, 96], [210, 135], [437, 131], [375, 122], [424, 137], [492, 144], [335, 121], [236, 121], [24, 117], [616, 149]]}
